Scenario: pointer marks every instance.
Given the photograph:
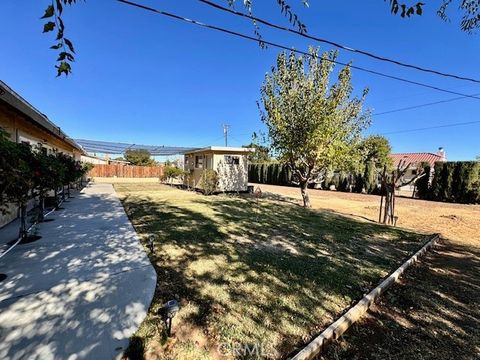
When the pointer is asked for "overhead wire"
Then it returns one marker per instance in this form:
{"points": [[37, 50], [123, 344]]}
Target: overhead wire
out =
{"points": [[234, 33], [421, 105], [335, 44], [431, 127]]}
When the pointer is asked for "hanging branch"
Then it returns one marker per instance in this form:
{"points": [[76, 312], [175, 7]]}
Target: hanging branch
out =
{"points": [[53, 15]]}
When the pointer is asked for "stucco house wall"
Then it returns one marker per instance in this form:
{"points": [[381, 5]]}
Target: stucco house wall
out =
{"points": [[231, 165]]}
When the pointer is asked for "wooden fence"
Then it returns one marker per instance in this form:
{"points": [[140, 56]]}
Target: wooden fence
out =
{"points": [[126, 171]]}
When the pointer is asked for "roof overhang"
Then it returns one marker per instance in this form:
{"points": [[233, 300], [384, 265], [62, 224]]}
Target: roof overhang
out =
{"points": [[222, 149], [9, 96]]}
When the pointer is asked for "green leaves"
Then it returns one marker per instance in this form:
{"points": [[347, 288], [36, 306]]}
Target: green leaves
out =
{"points": [[63, 68], [49, 11], [312, 125], [64, 45], [49, 26]]}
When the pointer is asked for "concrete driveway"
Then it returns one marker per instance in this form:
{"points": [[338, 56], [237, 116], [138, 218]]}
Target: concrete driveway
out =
{"points": [[82, 290]]}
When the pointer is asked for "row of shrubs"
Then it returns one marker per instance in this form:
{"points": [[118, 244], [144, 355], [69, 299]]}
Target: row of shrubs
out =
{"points": [[27, 173], [280, 174], [270, 173], [453, 181]]}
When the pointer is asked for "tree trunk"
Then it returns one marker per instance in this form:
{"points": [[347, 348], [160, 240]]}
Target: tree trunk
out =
{"points": [[23, 221], [56, 199], [306, 198], [41, 206]]}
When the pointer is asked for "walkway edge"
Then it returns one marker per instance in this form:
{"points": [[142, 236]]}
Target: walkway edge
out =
{"points": [[335, 330]]}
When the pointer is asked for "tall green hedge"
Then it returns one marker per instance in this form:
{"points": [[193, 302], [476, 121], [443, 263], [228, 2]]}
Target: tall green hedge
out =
{"points": [[270, 173], [453, 181]]}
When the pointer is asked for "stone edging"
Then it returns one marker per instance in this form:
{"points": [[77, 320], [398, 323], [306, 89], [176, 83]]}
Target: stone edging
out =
{"points": [[335, 330]]}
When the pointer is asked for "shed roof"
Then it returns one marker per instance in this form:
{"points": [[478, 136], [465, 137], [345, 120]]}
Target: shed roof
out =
{"points": [[225, 149], [9, 96]]}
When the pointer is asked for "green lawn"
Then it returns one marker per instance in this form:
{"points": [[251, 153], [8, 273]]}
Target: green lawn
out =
{"points": [[268, 274]]}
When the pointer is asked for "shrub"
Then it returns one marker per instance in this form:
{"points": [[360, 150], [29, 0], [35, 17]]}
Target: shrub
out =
{"points": [[209, 181], [171, 172], [455, 182]]}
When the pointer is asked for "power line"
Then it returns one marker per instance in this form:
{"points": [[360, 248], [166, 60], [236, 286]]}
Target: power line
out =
{"points": [[335, 44], [432, 127], [421, 105], [230, 32]]}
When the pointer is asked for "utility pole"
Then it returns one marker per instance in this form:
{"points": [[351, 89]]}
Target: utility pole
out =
{"points": [[225, 133]]}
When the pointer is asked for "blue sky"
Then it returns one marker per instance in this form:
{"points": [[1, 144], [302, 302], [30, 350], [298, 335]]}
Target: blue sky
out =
{"points": [[143, 78]]}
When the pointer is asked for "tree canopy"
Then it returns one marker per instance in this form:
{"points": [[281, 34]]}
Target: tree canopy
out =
{"points": [[261, 154], [312, 125], [377, 149], [140, 157]]}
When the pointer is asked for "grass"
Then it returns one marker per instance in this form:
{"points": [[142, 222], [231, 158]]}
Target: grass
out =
{"points": [[264, 276], [434, 310]]}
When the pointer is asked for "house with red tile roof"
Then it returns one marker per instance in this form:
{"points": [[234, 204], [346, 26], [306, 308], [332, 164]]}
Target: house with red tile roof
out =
{"points": [[415, 160]]}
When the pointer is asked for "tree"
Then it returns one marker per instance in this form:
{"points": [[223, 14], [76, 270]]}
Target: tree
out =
{"points": [[312, 125], [48, 174], [10, 176], [470, 14], [375, 154], [261, 154], [18, 164], [140, 157]]}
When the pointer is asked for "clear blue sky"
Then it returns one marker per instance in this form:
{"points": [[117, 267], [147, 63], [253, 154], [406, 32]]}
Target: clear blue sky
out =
{"points": [[143, 78]]}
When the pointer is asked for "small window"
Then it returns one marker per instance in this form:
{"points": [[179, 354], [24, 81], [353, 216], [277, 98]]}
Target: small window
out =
{"points": [[232, 160], [414, 171], [199, 162]]}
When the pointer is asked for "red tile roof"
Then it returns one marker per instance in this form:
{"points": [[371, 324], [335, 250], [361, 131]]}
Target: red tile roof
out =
{"points": [[416, 158]]}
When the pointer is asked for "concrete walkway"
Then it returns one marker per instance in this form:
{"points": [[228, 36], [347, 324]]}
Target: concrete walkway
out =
{"points": [[82, 290]]}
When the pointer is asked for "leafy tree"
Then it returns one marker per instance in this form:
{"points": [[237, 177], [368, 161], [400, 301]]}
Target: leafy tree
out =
{"points": [[374, 154], [376, 148], [312, 125], [10, 176], [48, 171], [17, 165], [140, 157], [470, 10], [261, 154]]}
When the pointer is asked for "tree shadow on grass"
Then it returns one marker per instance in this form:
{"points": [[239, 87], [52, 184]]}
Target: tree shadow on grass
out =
{"points": [[262, 273], [434, 309]]}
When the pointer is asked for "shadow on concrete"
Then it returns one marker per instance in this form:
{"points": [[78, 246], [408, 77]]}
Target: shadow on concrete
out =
{"points": [[81, 290]]}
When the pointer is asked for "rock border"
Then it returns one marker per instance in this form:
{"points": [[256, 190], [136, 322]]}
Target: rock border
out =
{"points": [[335, 330]]}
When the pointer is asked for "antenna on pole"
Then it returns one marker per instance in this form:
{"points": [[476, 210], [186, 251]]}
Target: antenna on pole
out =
{"points": [[225, 133]]}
